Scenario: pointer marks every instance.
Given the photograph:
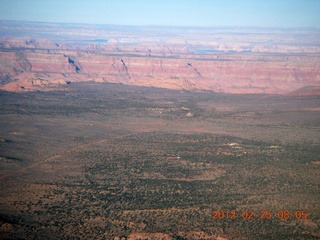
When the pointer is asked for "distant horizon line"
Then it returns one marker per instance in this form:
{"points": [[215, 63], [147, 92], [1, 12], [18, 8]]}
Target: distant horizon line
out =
{"points": [[160, 26]]}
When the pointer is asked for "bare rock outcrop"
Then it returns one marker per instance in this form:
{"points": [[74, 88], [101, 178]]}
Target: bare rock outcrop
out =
{"points": [[197, 63]]}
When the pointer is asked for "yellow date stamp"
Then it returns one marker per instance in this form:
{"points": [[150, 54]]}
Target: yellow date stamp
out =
{"points": [[248, 214]]}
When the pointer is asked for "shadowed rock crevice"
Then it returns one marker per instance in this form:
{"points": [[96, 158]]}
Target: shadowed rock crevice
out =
{"points": [[75, 64], [195, 70], [125, 68]]}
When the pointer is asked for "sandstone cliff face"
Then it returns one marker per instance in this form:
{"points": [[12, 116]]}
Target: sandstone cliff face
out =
{"points": [[231, 66], [233, 74]]}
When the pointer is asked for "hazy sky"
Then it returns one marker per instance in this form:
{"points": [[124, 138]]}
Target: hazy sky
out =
{"points": [[263, 13]]}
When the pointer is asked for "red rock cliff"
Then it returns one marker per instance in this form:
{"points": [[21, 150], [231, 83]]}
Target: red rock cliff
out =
{"points": [[232, 67]]}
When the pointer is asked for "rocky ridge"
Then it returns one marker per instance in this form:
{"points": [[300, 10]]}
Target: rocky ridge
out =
{"points": [[237, 63]]}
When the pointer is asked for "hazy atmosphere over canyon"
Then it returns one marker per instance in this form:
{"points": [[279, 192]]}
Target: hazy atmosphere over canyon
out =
{"points": [[230, 60], [233, 47]]}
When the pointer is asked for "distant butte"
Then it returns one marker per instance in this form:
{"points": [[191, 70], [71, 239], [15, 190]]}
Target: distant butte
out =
{"points": [[37, 56]]}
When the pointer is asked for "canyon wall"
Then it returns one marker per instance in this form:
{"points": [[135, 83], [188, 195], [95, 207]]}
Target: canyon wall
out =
{"points": [[251, 64]]}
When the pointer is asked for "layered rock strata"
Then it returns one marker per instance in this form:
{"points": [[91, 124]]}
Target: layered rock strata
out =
{"points": [[233, 67]]}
